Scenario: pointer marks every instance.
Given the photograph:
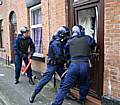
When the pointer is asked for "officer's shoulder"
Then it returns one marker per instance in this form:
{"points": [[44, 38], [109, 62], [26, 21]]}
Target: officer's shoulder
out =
{"points": [[57, 40], [52, 41], [72, 38], [28, 37], [90, 36], [19, 36]]}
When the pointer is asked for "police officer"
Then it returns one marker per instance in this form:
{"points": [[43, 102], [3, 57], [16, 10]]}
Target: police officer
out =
{"points": [[55, 59], [21, 46], [79, 47]]}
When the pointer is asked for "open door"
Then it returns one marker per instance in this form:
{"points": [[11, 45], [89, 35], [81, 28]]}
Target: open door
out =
{"points": [[90, 16]]}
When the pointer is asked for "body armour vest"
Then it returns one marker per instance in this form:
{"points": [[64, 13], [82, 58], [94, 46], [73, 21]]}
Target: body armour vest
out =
{"points": [[24, 44], [79, 47]]}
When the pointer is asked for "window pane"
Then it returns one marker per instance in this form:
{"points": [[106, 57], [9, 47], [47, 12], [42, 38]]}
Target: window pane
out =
{"points": [[37, 37], [36, 17], [88, 19], [13, 18]]}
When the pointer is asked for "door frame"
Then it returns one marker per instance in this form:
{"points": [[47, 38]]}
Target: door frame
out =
{"points": [[74, 7], [13, 32]]}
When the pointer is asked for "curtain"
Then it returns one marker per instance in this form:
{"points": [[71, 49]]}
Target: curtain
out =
{"points": [[38, 39], [87, 18], [38, 31]]}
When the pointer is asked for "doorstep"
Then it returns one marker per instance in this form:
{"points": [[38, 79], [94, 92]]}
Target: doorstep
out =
{"points": [[90, 100]]}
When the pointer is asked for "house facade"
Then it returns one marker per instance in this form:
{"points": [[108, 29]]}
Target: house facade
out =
{"points": [[101, 19]]}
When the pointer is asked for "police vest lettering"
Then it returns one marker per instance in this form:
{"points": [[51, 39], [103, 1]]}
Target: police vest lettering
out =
{"points": [[79, 47]]}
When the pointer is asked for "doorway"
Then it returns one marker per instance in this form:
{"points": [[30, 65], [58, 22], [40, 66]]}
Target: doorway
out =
{"points": [[89, 14], [13, 32]]}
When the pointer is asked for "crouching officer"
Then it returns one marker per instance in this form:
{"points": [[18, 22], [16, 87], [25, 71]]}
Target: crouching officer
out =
{"points": [[21, 46], [80, 47], [55, 59]]}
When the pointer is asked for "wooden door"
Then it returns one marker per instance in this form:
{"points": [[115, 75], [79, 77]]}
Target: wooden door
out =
{"points": [[90, 15], [13, 32]]}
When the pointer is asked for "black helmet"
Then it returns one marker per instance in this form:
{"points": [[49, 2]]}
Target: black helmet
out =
{"points": [[78, 30], [63, 31]]}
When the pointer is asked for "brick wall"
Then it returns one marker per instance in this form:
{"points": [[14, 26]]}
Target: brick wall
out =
{"points": [[22, 19], [112, 48]]}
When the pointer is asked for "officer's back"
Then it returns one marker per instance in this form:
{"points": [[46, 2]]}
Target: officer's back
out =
{"points": [[80, 45]]}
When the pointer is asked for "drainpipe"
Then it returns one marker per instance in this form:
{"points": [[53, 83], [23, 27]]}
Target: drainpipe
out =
{"points": [[49, 17], [109, 86]]}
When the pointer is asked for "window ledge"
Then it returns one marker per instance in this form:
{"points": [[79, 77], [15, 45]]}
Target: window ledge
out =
{"points": [[2, 50], [38, 55]]}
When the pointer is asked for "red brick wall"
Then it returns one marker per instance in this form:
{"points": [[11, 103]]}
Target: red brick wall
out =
{"points": [[22, 19], [112, 48]]}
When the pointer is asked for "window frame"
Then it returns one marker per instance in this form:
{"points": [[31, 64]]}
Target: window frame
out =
{"points": [[41, 55], [1, 32]]}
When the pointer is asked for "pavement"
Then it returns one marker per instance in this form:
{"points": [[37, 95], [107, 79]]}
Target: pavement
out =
{"points": [[11, 94]]}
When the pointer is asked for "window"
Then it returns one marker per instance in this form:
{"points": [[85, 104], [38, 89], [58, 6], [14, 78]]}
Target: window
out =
{"points": [[88, 18], [1, 2], [36, 29], [1, 34], [85, 1], [80, 0]]}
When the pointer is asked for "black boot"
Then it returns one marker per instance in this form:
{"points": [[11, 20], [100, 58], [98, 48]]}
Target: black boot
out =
{"points": [[31, 99], [31, 81], [16, 81]]}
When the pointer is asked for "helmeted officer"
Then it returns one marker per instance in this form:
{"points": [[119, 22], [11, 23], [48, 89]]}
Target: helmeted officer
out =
{"points": [[21, 46], [79, 47], [55, 61]]}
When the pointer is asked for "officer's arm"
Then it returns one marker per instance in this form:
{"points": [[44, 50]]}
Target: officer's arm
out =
{"points": [[57, 48], [67, 52], [91, 42], [16, 47], [32, 48]]}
